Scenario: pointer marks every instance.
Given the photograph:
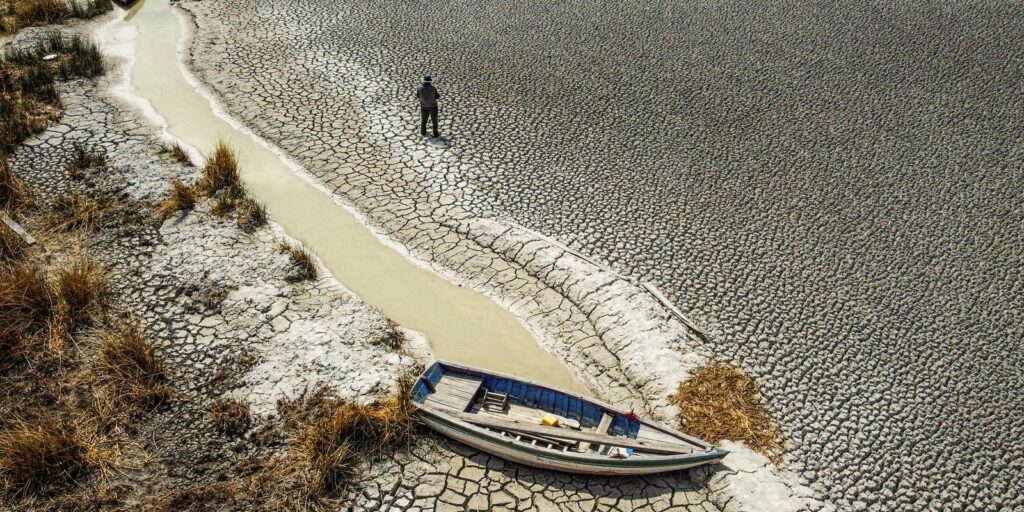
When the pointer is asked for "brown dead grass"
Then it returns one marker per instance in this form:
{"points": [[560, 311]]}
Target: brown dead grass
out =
{"points": [[28, 303], [39, 454], [12, 246], [83, 289], [13, 191], [332, 437], [40, 308], [178, 154], [69, 212], [41, 12], [251, 215], [224, 202], [230, 416], [181, 199], [129, 366], [221, 170], [721, 402], [300, 258], [26, 13]]}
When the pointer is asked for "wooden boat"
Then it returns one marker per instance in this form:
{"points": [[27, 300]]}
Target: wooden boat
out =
{"points": [[535, 425]]}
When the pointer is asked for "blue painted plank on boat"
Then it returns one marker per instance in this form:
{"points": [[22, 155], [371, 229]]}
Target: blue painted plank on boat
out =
{"points": [[532, 396], [519, 391], [577, 409]]}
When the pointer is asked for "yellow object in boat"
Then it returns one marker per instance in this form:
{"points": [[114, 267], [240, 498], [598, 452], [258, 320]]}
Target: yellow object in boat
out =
{"points": [[549, 420]]}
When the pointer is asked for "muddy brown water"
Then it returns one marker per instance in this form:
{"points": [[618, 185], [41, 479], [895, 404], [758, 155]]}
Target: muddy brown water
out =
{"points": [[461, 324]]}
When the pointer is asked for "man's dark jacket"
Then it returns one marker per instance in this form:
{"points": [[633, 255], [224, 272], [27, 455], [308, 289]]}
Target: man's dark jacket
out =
{"points": [[428, 95]]}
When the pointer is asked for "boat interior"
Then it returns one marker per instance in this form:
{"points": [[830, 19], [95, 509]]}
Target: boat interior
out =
{"points": [[545, 418]]}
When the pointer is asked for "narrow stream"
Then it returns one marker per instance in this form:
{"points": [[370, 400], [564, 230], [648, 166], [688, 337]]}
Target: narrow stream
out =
{"points": [[461, 324]]}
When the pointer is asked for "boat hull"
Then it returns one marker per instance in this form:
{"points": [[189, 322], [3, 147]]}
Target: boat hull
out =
{"points": [[549, 460]]}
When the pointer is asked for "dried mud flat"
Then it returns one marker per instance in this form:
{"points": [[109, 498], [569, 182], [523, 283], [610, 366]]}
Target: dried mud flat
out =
{"points": [[833, 191], [230, 320]]}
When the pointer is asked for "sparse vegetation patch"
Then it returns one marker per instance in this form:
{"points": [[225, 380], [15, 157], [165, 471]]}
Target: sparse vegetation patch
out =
{"points": [[130, 367], [300, 258], [181, 199], [251, 215], [178, 154], [69, 212], [332, 437], [39, 454], [230, 416], [85, 158], [221, 170]]}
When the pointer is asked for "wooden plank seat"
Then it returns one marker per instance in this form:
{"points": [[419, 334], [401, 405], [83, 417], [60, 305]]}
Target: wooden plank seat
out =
{"points": [[454, 392]]}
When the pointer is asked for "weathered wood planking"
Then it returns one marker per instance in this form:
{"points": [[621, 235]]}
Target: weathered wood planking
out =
{"points": [[561, 433]]}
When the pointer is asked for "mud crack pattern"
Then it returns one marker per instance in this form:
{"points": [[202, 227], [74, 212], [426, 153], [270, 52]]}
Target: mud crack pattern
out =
{"points": [[833, 190]]}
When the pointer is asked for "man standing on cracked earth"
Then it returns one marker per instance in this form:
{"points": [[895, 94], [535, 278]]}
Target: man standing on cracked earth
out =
{"points": [[428, 96]]}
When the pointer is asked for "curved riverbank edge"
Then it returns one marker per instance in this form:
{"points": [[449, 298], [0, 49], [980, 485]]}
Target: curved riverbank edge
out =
{"points": [[611, 332]]}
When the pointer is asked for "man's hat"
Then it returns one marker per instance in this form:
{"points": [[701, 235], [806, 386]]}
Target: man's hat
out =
{"points": [[428, 79]]}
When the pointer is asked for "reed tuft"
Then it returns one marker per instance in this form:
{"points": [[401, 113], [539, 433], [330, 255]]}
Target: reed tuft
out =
{"points": [[182, 198], [251, 214], [130, 367], [39, 454], [69, 212], [300, 258], [332, 437], [221, 170]]}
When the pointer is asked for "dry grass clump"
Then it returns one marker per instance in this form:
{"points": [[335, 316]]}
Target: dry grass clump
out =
{"points": [[129, 366], [82, 59], [40, 307], [221, 170], [28, 299], [721, 402], [332, 437], [69, 212], [29, 13], [178, 154], [251, 215], [300, 258], [182, 198], [224, 202], [41, 12], [83, 290], [230, 416], [12, 246], [39, 454], [13, 192], [85, 158], [221, 180]]}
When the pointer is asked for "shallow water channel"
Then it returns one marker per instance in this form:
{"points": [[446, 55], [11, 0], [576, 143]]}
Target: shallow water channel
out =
{"points": [[461, 324]]}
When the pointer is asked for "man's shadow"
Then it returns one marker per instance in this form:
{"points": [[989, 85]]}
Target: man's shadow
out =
{"points": [[441, 142]]}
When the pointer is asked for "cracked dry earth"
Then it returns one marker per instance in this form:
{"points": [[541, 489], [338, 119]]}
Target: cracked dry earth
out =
{"points": [[833, 190], [229, 320]]}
